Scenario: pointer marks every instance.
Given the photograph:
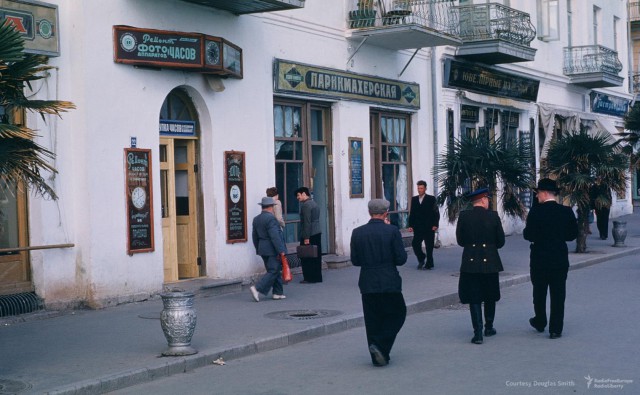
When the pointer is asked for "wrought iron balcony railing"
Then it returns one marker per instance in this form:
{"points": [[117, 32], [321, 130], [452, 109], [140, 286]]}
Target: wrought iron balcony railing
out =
{"points": [[591, 59], [634, 11], [492, 21], [436, 15]]}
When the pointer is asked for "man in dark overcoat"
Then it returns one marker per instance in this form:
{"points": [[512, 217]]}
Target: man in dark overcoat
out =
{"points": [[480, 232], [377, 249], [424, 219], [310, 233], [267, 239], [549, 226]]}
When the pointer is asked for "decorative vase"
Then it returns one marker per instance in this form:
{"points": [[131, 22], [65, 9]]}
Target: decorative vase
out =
{"points": [[619, 233], [178, 320]]}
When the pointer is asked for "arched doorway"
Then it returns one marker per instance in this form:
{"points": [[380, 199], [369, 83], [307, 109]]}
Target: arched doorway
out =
{"points": [[183, 248]]}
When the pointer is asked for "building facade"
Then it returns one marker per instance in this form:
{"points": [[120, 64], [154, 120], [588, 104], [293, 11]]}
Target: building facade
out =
{"points": [[188, 110]]}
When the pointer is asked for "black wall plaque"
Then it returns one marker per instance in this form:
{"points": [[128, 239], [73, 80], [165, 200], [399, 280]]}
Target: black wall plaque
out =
{"points": [[139, 197]]}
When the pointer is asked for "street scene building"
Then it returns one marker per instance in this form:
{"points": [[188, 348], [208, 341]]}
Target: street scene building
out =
{"points": [[188, 110]]}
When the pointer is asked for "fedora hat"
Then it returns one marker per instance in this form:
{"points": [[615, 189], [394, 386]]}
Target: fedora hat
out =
{"points": [[267, 201], [547, 184]]}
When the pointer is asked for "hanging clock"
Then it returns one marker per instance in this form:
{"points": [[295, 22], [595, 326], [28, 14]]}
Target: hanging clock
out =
{"points": [[212, 52], [138, 197]]}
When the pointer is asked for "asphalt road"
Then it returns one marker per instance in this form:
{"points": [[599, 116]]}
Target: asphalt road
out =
{"points": [[599, 352]]}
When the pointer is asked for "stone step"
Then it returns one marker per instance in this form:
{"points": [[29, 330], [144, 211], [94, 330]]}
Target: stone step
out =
{"points": [[207, 286]]}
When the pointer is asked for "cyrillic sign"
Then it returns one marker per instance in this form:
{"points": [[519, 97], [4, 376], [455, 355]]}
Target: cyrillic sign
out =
{"points": [[291, 77], [36, 21]]}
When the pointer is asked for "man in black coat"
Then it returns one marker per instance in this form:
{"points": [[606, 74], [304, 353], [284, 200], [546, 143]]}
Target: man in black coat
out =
{"points": [[377, 248], [424, 219], [480, 232], [549, 226]]}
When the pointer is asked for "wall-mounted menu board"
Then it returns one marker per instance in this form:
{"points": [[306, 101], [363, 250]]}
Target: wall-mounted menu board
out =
{"points": [[236, 203], [139, 198]]}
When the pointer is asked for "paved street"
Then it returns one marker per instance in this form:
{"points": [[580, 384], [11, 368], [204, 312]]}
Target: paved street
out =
{"points": [[433, 354]]}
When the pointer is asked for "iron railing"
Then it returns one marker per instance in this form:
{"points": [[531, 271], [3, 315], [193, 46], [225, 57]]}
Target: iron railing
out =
{"points": [[494, 21], [591, 59], [634, 11], [436, 15]]}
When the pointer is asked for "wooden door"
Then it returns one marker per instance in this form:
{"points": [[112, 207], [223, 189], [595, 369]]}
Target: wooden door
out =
{"points": [[15, 274]]}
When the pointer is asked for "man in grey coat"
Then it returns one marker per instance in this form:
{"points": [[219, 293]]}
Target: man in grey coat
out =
{"points": [[310, 234], [269, 244]]}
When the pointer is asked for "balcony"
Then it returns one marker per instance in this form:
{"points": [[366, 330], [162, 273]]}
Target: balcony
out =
{"points": [[403, 24], [634, 12], [492, 33], [592, 66], [250, 6]]}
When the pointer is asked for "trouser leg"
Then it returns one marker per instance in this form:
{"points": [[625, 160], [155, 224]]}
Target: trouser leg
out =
{"points": [[489, 316], [429, 239], [540, 284], [476, 320], [272, 278], [557, 294], [416, 245]]}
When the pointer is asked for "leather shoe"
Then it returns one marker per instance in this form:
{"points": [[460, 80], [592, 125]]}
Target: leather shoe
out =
{"points": [[254, 293], [420, 265], [532, 322], [555, 335], [278, 297], [490, 332], [376, 354]]}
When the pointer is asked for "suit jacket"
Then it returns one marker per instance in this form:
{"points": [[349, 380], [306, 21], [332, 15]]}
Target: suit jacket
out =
{"points": [[309, 219], [549, 226], [480, 232], [377, 249], [423, 216], [267, 235]]}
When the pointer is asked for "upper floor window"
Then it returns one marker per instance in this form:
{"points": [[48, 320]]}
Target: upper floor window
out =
{"points": [[596, 25], [569, 23], [548, 20], [616, 26]]}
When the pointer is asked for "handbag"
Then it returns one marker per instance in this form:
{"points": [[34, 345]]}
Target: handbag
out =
{"points": [[286, 270], [307, 251], [437, 243]]}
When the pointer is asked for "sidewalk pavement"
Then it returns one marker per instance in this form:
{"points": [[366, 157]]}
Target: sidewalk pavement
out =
{"points": [[98, 351]]}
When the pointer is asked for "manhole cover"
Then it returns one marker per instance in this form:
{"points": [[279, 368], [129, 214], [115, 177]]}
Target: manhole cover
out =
{"points": [[13, 386], [302, 314]]}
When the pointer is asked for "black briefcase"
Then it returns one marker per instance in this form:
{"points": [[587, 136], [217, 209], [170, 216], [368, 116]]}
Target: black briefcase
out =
{"points": [[307, 251]]}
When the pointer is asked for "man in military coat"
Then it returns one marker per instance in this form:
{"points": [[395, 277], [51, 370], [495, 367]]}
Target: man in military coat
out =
{"points": [[480, 232]]}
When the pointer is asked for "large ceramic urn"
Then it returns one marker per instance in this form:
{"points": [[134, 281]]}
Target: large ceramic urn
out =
{"points": [[178, 320], [619, 233]]}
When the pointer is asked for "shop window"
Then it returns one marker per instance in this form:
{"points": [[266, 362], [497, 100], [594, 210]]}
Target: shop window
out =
{"points": [[390, 171]]}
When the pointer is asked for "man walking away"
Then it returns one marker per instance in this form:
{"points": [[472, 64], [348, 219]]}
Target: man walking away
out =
{"points": [[269, 244], [549, 226], [424, 219], [377, 249]]}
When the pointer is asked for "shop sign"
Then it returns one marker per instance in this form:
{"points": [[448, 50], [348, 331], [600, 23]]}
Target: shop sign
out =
{"points": [[302, 79], [36, 21], [608, 104], [488, 81], [177, 50], [139, 198], [177, 128], [236, 203], [469, 113], [356, 181]]}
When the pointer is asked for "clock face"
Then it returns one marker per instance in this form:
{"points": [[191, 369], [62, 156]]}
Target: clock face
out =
{"points": [[138, 197], [212, 52]]}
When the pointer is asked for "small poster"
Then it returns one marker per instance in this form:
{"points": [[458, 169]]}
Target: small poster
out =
{"points": [[356, 180], [236, 202], [139, 198]]}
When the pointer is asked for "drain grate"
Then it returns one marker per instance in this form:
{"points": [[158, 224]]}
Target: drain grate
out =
{"points": [[22, 303], [13, 386], [302, 315]]}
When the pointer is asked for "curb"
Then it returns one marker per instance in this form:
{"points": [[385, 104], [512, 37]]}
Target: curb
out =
{"points": [[173, 366]]}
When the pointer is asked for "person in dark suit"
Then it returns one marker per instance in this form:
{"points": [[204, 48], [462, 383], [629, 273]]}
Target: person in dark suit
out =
{"points": [[267, 239], [549, 226], [377, 249], [310, 233], [480, 232], [424, 219], [601, 203]]}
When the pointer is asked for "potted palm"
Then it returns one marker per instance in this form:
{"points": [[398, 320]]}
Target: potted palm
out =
{"points": [[364, 16]]}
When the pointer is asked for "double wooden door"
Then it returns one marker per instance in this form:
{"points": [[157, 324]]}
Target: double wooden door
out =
{"points": [[179, 199]]}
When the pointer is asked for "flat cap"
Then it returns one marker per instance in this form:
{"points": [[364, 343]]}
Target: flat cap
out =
{"points": [[478, 194], [267, 201], [547, 184], [378, 206]]}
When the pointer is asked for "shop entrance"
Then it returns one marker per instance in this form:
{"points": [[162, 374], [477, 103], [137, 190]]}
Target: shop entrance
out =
{"points": [[15, 276], [180, 189]]}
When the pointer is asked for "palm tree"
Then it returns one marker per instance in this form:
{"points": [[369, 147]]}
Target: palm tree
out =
{"points": [[632, 137], [477, 162], [21, 159], [578, 161]]}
